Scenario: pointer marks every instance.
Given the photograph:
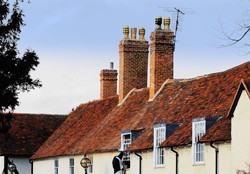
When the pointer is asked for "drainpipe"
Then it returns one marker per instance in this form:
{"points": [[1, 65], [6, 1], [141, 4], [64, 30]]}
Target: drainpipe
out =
{"points": [[31, 162], [139, 161], [216, 157], [176, 159], [6, 162]]}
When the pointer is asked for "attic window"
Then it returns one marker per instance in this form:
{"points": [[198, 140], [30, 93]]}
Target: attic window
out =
{"points": [[159, 137], [126, 140], [198, 130]]}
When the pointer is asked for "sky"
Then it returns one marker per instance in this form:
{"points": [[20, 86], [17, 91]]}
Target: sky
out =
{"points": [[76, 39]]}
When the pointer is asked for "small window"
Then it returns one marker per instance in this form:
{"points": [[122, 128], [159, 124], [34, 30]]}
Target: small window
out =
{"points": [[56, 165], [71, 165], [91, 165], [125, 143], [126, 139], [198, 130], [159, 137]]}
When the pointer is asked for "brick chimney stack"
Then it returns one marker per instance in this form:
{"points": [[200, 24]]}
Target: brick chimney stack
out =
{"points": [[108, 78], [161, 55], [133, 58]]}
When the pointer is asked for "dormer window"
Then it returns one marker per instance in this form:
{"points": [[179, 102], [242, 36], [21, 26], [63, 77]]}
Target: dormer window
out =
{"points": [[198, 130], [127, 137], [126, 140], [159, 137]]}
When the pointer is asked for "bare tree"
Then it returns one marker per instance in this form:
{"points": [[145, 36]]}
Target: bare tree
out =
{"points": [[241, 35]]}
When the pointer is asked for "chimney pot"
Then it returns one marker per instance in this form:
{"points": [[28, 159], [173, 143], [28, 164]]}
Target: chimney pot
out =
{"points": [[126, 32], [133, 33], [111, 65], [141, 33], [158, 22], [167, 24]]}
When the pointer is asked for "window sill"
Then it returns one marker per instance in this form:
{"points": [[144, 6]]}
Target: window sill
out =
{"points": [[159, 166], [199, 164]]}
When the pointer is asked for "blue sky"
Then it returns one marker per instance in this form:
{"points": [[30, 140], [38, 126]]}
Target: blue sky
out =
{"points": [[76, 39]]}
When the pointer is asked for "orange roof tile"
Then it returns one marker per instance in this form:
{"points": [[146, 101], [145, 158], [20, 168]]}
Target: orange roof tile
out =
{"points": [[220, 131], [96, 126], [28, 132]]}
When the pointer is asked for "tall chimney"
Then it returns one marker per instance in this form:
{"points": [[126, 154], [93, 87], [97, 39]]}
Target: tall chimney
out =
{"points": [[161, 55], [133, 66], [108, 78]]}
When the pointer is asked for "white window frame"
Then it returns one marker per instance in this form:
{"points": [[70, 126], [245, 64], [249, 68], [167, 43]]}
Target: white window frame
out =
{"points": [[198, 149], [159, 137], [71, 166], [125, 143], [56, 166]]}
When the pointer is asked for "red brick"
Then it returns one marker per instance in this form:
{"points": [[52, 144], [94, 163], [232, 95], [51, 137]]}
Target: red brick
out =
{"points": [[161, 59], [108, 78], [133, 65]]}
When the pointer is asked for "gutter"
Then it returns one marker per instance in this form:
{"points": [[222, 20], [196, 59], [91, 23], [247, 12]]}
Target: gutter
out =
{"points": [[140, 158], [216, 157], [176, 159]]}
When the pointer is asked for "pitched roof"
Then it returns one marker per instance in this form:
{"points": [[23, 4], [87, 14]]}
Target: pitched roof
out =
{"points": [[70, 136], [244, 85], [181, 137], [220, 131], [28, 132], [182, 101], [179, 101]]}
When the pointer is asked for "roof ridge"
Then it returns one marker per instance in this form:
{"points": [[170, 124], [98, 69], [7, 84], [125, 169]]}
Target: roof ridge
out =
{"points": [[213, 74]]}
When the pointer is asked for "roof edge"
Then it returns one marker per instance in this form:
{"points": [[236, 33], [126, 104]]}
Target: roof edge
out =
{"points": [[242, 86]]}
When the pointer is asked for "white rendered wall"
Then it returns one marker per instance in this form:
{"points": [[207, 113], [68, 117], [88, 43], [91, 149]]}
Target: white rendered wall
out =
{"points": [[43, 166], [241, 134], [47, 165], [185, 161], [1, 163], [102, 164]]}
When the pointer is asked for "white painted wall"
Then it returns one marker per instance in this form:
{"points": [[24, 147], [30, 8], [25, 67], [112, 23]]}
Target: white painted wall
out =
{"points": [[44, 166], [102, 164], [185, 161], [1, 163], [47, 165], [241, 133]]}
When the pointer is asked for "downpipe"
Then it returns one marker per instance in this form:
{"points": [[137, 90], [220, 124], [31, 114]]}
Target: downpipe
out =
{"points": [[140, 159], [31, 162], [216, 157], [176, 160]]}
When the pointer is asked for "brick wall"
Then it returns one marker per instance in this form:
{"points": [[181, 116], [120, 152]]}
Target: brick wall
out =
{"points": [[133, 65], [161, 59], [108, 78]]}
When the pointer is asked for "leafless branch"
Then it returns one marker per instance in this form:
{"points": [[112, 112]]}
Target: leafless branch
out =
{"points": [[236, 40]]}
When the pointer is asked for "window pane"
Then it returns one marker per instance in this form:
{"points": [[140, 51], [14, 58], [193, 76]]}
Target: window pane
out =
{"points": [[159, 137], [126, 141], [198, 132], [71, 165]]}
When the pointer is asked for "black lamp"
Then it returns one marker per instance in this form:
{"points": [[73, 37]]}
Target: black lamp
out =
{"points": [[85, 163]]}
